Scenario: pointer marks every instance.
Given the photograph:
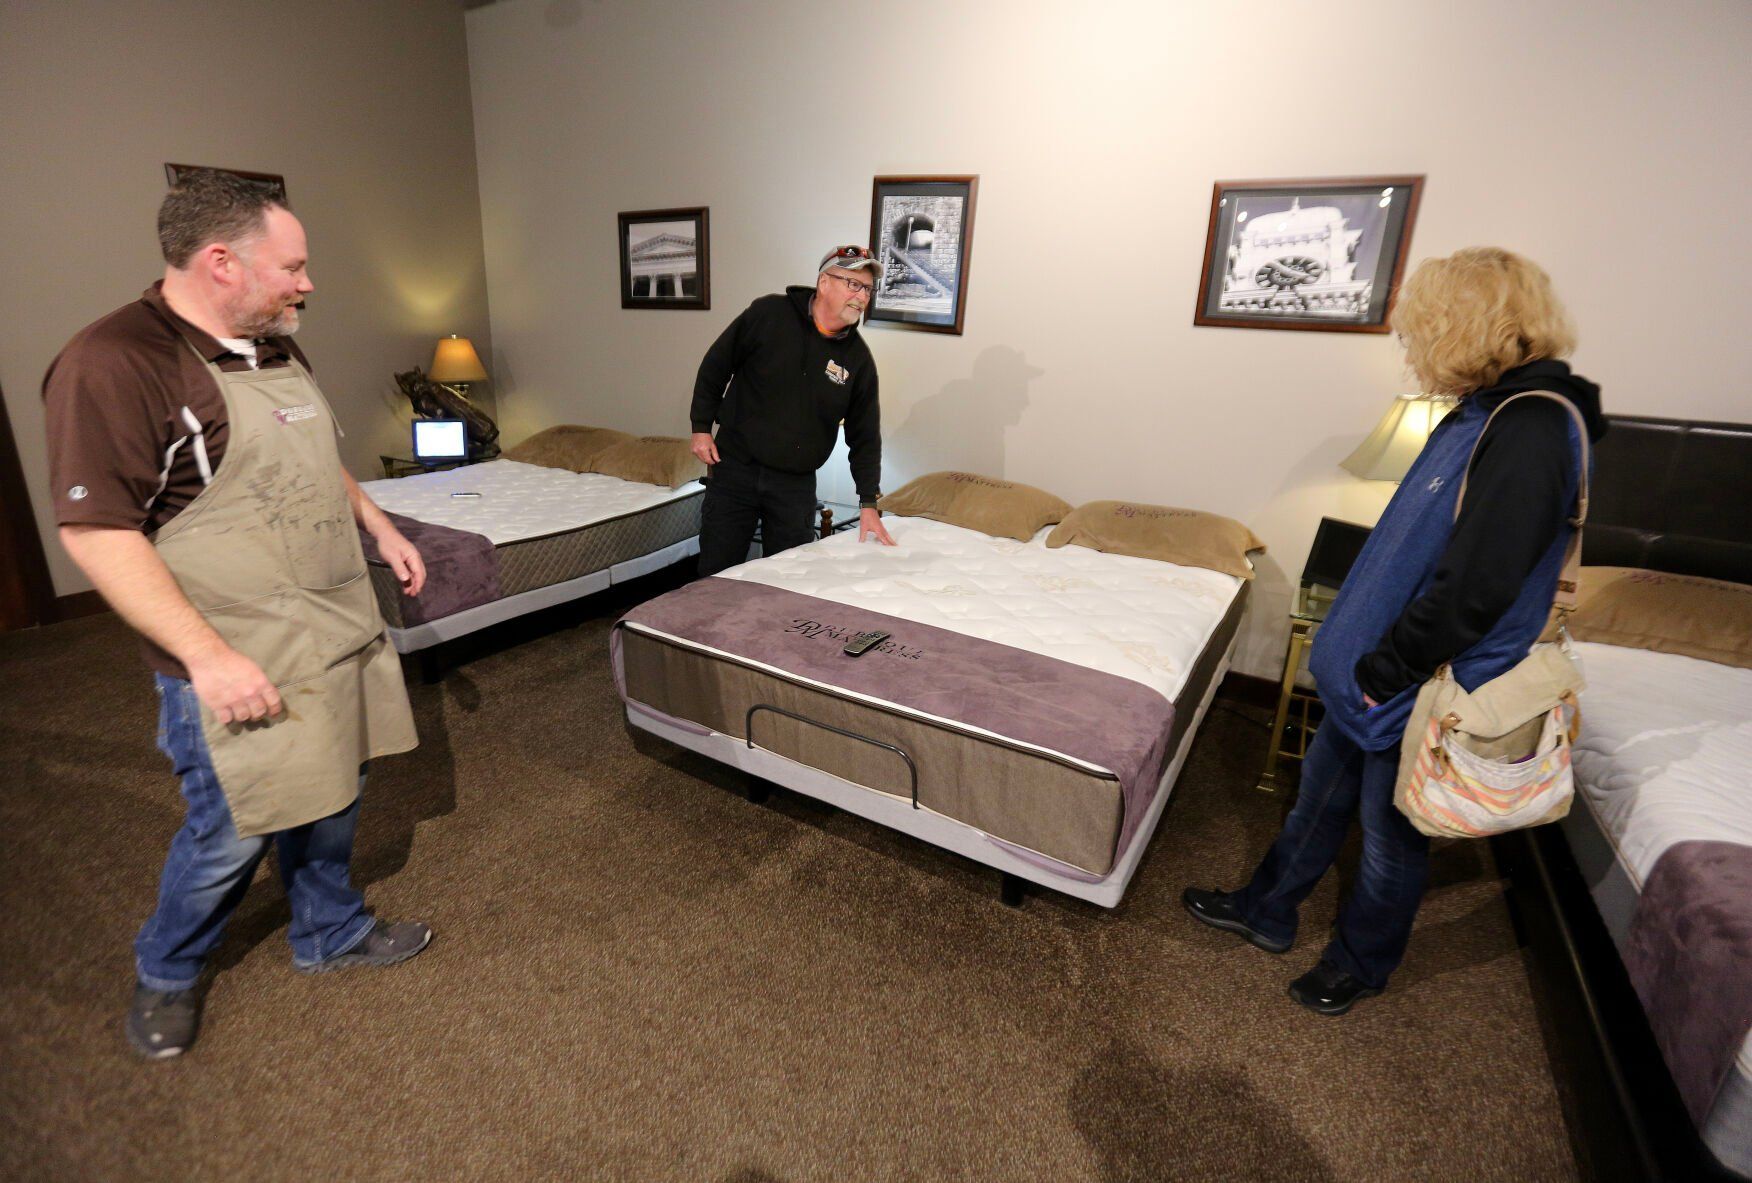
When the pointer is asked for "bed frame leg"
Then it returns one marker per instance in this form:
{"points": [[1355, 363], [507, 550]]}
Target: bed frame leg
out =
{"points": [[431, 669], [1013, 889], [758, 790]]}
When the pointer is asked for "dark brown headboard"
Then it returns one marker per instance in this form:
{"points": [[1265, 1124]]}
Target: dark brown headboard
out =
{"points": [[1672, 495]]}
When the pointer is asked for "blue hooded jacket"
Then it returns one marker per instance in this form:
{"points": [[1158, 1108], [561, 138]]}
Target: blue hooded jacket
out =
{"points": [[1401, 555]]}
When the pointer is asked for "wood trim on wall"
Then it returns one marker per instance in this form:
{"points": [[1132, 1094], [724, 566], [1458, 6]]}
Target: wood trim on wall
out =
{"points": [[1250, 690], [85, 603], [27, 594]]}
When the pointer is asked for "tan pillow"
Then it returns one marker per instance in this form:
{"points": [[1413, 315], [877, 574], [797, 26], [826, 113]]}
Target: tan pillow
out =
{"points": [[568, 446], [650, 460], [1003, 509], [1710, 619], [1188, 537]]}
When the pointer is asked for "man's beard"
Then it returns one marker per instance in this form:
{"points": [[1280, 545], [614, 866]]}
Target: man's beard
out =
{"points": [[257, 317]]}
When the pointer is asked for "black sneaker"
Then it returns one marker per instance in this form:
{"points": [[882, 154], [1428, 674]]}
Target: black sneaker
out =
{"points": [[163, 1023], [385, 944], [1328, 990], [1217, 909]]}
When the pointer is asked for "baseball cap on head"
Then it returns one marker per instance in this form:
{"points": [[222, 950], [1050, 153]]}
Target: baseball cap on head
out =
{"points": [[851, 258]]}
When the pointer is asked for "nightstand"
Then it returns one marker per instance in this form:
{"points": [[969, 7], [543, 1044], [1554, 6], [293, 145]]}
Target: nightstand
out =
{"points": [[398, 466], [1336, 546], [1290, 739]]}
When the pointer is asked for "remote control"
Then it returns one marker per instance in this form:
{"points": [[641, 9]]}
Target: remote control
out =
{"points": [[864, 642]]}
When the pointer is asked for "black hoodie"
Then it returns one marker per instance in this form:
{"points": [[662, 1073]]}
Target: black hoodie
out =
{"points": [[1512, 511], [778, 391]]}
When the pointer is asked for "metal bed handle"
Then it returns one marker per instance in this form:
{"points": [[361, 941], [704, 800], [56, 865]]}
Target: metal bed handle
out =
{"points": [[748, 732]]}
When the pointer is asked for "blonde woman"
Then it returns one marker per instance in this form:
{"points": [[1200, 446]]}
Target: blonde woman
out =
{"points": [[1480, 325]]}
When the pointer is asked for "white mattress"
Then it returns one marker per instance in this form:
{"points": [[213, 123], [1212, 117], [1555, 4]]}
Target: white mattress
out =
{"points": [[518, 501], [1137, 618], [1665, 745]]}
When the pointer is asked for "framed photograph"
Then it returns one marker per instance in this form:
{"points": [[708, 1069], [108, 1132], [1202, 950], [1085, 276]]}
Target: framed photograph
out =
{"points": [[666, 258], [1314, 254], [922, 230], [273, 182]]}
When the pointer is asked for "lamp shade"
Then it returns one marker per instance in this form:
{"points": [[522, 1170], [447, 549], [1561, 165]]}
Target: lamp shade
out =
{"points": [[1388, 452], [455, 360]]}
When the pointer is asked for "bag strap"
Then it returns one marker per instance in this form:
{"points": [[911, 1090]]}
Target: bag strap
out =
{"points": [[1565, 598]]}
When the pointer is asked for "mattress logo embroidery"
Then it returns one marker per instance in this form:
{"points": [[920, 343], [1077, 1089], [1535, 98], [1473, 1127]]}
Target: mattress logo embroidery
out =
{"points": [[839, 634], [1152, 512], [294, 414], [837, 373]]}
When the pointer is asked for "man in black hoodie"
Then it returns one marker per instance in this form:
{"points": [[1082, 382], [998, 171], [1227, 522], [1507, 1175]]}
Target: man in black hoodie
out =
{"points": [[778, 383]]}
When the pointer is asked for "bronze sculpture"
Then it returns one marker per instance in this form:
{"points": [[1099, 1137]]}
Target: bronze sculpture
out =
{"points": [[434, 400]]}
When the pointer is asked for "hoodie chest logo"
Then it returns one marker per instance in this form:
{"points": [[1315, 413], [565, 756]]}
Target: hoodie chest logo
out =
{"points": [[837, 373]]}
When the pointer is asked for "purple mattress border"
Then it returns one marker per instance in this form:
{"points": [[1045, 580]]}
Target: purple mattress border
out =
{"points": [[1086, 715]]}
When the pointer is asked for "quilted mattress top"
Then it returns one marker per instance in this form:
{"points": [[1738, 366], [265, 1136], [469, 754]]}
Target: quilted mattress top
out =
{"points": [[1137, 618], [518, 501], [1664, 747]]}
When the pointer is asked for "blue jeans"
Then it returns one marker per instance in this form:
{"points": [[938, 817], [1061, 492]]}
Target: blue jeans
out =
{"points": [[1341, 780], [209, 867]]}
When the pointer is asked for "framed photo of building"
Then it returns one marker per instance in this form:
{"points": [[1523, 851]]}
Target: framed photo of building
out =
{"points": [[666, 258], [921, 228], [274, 183], [1310, 254]]}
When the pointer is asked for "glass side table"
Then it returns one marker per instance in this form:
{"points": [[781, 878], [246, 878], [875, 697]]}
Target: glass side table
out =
{"points": [[1289, 737], [836, 516]]}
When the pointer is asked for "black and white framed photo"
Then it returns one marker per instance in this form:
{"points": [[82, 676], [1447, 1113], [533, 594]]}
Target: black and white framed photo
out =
{"points": [[666, 258], [921, 228], [1308, 254], [274, 183]]}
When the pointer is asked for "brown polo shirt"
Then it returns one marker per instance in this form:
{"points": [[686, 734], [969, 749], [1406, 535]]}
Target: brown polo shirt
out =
{"points": [[133, 415], [125, 403]]}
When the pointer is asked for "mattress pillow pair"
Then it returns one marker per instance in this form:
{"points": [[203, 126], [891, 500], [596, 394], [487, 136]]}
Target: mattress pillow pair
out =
{"points": [[1709, 619], [571, 446], [1003, 509], [648, 460], [1166, 533], [1006, 509]]}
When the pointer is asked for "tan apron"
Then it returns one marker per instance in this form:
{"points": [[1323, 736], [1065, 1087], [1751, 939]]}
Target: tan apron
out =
{"points": [[269, 555]]}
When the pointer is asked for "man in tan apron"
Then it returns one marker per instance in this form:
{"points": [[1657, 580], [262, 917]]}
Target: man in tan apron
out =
{"points": [[198, 484]]}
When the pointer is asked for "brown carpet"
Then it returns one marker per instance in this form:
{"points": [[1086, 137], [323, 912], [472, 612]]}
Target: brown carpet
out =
{"points": [[639, 975]]}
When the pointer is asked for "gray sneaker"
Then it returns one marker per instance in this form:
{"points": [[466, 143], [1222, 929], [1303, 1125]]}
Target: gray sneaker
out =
{"points": [[162, 1024], [385, 944]]}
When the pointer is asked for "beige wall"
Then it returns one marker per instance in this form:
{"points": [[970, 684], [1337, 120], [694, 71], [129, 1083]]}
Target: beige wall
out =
{"points": [[362, 106], [1603, 140]]}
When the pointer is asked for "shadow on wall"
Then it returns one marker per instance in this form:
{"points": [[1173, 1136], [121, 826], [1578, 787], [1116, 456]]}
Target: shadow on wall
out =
{"points": [[1312, 487], [962, 426]]}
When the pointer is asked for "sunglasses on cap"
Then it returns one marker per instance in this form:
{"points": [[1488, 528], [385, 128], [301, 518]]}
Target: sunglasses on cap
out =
{"points": [[852, 252]]}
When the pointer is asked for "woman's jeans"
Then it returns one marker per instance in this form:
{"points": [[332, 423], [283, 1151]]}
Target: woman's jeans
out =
{"points": [[1339, 780], [209, 867]]}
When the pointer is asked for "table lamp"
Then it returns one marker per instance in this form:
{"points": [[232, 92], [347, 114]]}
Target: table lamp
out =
{"points": [[455, 364], [1387, 453]]}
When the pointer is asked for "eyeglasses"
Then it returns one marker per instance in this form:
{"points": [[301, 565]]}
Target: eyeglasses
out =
{"points": [[858, 286]]}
